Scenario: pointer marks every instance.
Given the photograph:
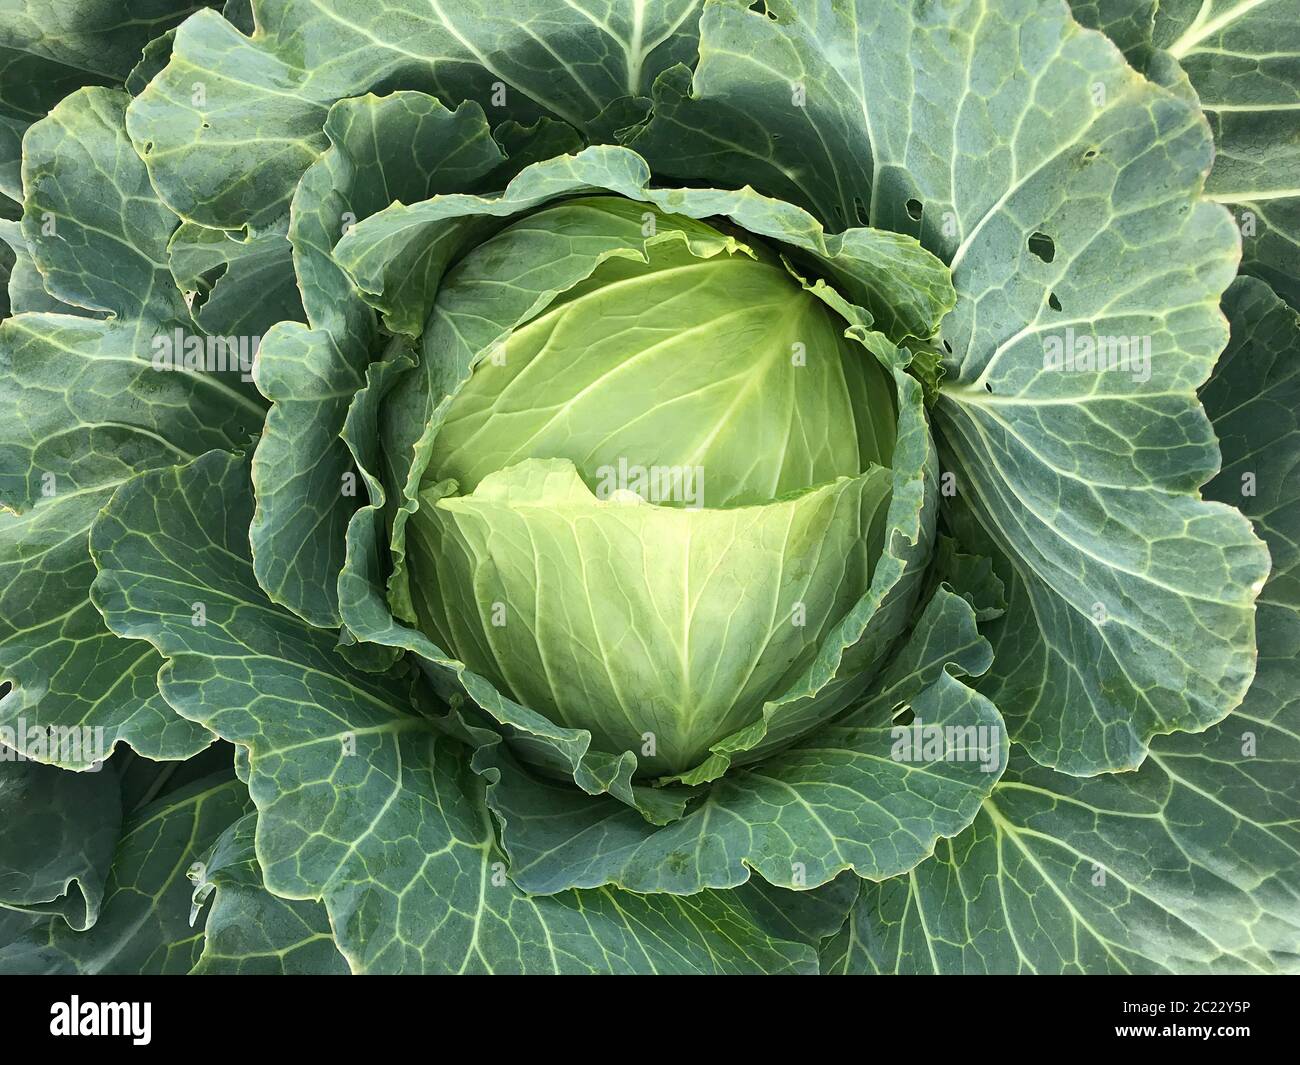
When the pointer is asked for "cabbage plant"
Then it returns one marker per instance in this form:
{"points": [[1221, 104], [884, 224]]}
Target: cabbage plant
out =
{"points": [[670, 486]]}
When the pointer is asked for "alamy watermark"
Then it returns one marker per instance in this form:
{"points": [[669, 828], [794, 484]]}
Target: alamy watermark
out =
{"points": [[191, 352], [133, 1020], [61, 744], [1098, 353], [654, 484], [918, 742]]}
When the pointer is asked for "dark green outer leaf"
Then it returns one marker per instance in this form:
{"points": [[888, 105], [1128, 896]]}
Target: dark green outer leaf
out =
{"points": [[249, 931], [29, 86], [7, 262], [26, 287], [144, 781], [104, 36], [144, 925], [535, 58], [93, 224], [406, 146], [242, 287], [239, 13], [154, 56], [1189, 864], [88, 412], [1130, 601], [48, 48], [14, 924], [58, 831], [972, 576], [943, 638], [86, 409], [1241, 63], [1243, 60], [1129, 23]]}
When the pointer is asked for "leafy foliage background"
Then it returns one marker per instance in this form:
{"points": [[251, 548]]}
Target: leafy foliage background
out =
{"points": [[967, 176]]}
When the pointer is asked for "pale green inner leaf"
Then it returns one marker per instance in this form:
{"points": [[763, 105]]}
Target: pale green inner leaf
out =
{"points": [[659, 629], [724, 368]]}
